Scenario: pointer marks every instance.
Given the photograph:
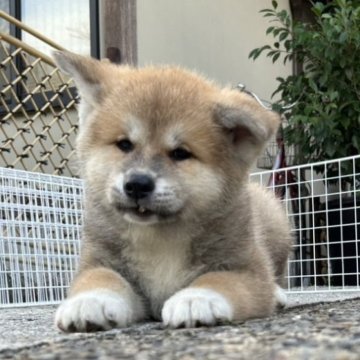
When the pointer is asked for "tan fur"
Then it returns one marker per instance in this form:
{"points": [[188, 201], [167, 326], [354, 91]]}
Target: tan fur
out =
{"points": [[245, 292], [97, 278], [206, 227]]}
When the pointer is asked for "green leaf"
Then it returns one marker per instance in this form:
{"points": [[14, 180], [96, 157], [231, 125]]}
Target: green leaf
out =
{"points": [[342, 62], [356, 142], [282, 15], [288, 44], [326, 16], [265, 47], [271, 53], [252, 53], [333, 95], [276, 31], [287, 58], [323, 79], [318, 8], [343, 37], [330, 149], [349, 73], [283, 36], [274, 4], [275, 57], [267, 10], [269, 30], [255, 54]]}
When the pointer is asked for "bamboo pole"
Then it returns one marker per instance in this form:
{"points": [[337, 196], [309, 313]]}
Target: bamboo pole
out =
{"points": [[30, 30], [29, 49]]}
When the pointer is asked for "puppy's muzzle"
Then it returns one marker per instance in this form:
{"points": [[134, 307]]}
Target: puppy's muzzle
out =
{"points": [[139, 186]]}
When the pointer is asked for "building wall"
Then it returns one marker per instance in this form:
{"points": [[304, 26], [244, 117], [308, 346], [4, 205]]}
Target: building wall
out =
{"points": [[211, 36]]}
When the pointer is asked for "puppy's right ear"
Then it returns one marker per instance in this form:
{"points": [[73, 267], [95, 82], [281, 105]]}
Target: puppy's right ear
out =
{"points": [[247, 124], [88, 73]]}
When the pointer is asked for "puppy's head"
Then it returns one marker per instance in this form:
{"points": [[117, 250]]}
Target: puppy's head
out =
{"points": [[163, 144]]}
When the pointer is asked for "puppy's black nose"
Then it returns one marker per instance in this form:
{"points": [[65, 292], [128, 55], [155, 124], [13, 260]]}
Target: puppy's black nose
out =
{"points": [[139, 186]]}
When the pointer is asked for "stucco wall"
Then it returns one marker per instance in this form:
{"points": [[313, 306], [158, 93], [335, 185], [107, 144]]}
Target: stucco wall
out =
{"points": [[211, 36]]}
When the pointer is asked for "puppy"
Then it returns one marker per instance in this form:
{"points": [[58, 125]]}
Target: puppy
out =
{"points": [[173, 230]]}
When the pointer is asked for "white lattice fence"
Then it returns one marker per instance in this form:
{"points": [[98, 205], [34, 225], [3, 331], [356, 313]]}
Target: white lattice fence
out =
{"points": [[40, 218], [322, 201]]}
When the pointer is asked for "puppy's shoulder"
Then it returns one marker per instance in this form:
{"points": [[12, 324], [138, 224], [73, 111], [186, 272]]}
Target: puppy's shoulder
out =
{"points": [[262, 197]]}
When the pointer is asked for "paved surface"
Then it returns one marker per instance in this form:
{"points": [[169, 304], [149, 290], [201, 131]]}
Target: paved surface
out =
{"points": [[314, 331]]}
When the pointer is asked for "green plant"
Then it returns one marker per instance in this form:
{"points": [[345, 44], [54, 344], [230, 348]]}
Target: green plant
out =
{"points": [[324, 122]]}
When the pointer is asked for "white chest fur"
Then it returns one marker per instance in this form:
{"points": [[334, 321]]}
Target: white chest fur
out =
{"points": [[162, 260]]}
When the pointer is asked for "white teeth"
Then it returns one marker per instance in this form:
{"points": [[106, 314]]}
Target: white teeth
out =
{"points": [[141, 209]]}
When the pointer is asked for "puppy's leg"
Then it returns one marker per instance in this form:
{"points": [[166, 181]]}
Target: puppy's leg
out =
{"points": [[99, 299], [281, 297], [220, 296]]}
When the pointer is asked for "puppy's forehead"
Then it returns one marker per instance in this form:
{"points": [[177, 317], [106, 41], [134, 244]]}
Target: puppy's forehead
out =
{"points": [[135, 128], [173, 135], [182, 132], [158, 93], [170, 134], [167, 106]]}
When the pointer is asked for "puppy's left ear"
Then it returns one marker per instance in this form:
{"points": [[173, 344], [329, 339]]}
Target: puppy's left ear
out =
{"points": [[247, 124], [91, 77], [89, 74]]}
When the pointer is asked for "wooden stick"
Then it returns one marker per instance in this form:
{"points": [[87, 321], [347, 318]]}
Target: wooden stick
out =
{"points": [[30, 30], [29, 49]]}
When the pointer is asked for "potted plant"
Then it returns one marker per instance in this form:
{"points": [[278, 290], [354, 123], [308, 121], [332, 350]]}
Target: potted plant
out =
{"points": [[324, 121]]}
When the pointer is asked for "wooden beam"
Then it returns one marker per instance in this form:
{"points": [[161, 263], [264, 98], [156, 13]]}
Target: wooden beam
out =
{"points": [[301, 11], [118, 36]]}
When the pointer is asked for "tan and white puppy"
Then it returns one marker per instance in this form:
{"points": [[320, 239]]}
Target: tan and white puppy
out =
{"points": [[173, 230]]}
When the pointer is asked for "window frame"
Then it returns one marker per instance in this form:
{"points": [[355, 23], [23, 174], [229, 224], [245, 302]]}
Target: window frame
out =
{"points": [[15, 11]]}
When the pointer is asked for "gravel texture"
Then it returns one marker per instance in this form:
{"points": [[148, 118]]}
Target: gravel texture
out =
{"points": [[313, 331]]}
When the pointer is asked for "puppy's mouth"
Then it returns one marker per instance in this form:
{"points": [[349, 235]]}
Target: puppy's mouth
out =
{"points": [[138, 210], [145, 211], [143, 215], [142, 212]]}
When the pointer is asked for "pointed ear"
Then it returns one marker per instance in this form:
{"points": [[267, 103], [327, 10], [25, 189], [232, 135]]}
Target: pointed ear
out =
{"points": [[248, 125], [88, 73]]}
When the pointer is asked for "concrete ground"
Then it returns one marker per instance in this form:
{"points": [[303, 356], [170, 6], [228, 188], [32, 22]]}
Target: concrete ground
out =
{"points": [[306, 330]]}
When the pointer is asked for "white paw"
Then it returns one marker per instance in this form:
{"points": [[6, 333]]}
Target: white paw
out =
{"points": [[94, 310], [196, 306], [280, 296]]}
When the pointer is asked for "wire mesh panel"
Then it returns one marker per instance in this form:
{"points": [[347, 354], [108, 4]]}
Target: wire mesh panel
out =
{"points": [[41, 215], [38, 120], [322, 201], [40, 218]]}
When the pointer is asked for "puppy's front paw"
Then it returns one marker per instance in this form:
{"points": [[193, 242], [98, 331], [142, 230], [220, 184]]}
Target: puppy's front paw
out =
{"points": [[280, 296], [196, 306], [93, 311]]}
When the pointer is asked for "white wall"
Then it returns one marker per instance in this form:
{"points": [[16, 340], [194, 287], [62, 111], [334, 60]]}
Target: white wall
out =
{"points": [[212, 36]]}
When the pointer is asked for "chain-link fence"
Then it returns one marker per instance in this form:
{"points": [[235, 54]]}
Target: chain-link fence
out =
{"points": [[38, 120]]}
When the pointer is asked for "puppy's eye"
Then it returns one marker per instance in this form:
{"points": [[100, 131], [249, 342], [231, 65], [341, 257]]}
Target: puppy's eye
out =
{"points": [[180, 154], [125, 145]]}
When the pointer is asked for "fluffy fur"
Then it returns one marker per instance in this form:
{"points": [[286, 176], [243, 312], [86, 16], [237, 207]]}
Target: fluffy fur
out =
{"points": [[202, 245]]}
